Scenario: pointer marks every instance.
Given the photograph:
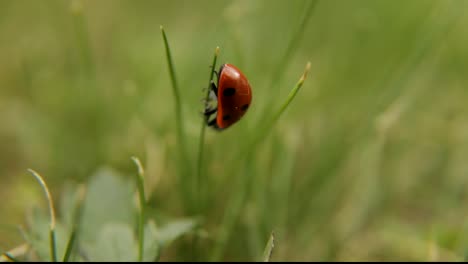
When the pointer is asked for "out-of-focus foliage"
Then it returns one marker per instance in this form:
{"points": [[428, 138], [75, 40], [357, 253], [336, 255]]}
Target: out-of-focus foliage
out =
{"points": [[367, 163]]}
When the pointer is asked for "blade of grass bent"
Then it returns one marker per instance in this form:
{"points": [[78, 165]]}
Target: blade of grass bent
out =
{"points": [[53, 248]]}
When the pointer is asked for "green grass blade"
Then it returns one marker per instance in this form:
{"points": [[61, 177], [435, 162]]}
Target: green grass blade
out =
{"points": [[202, 135], [141, 192], [75, 226], [70, 244], [185, 182], [269, 248], [175, 88], [53, 246], [269, 125]]}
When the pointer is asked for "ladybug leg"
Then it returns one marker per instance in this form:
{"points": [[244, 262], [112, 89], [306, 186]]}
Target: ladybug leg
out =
{"points": [[209, 111], [212, 123], [214, 88]]}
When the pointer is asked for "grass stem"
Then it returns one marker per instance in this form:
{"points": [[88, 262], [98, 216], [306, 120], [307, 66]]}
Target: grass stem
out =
{"points": [[198, 184]]}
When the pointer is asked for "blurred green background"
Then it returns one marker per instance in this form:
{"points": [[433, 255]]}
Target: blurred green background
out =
{"points": [[369, 162]]}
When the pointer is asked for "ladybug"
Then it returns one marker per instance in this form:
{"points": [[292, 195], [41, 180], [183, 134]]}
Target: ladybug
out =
{"points": [[232, 94]]}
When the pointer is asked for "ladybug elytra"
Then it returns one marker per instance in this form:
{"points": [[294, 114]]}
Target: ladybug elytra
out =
{"points": [[233, 96]]}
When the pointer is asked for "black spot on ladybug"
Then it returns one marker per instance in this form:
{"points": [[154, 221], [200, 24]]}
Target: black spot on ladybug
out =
{"points": [[244, 107], [229, 92], [226, 117]]}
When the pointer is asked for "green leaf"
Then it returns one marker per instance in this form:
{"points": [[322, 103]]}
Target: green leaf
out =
{"points": [[151, 252], [174, 230], [109, 199], [115, 242], [67, 204]]}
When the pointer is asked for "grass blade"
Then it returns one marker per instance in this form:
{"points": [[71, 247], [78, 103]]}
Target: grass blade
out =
{"points": [[141, 192], [202, 134], [70, 244], [53, 246], [185, 181], [175, 85], [283, 108], [269, 248], [175, 88], [76, 217]]}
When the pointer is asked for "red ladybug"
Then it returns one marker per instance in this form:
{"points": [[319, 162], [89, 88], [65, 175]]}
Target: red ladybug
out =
{"points": [[233, 95]]}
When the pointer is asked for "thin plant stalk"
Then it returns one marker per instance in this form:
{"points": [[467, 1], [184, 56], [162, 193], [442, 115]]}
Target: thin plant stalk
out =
{"points": [[141, 192], [53, 246], [202, 136]]}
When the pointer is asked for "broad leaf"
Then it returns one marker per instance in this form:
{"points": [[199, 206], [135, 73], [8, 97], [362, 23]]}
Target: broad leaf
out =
{"points": [[174, 230], [109, 199], [115, 243]]}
